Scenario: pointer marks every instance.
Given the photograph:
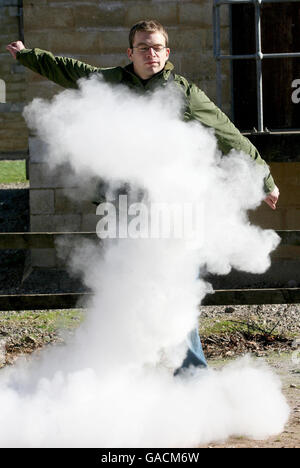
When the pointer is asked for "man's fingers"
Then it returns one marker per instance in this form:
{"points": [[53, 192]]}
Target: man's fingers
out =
{"points": [[15, 47], [11, 50], [270, 202], [272, 198]]}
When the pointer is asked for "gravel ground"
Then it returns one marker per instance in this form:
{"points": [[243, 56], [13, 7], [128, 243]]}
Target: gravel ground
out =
{"points": [[286, 317], [259, 330]]}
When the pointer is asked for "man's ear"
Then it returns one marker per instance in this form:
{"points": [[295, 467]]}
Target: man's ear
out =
{"points": [[129, 53]]}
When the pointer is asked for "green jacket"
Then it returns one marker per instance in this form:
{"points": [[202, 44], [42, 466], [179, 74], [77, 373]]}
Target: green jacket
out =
{"points": [[67, 71]]}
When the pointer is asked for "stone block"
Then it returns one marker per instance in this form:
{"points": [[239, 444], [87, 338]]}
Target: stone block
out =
{"points": [[70, 3], [89, 222], [55, 223], [164, 12], [38, 39], [176, 60], [9, 30], [186, 40], [73, 200], [37, 17], [195, 14], [64, 42], [197, 66], [37, 150], [210, 89], [41, 201], [88, 41], [11, 86], [14, 96], [4, 3], [44, 258], [18, 69], [102, 14], [13, 11], [43, 89], [113, 41], [14, 124], [67, 223], [42, 223], [13, 140], [42, 177]]}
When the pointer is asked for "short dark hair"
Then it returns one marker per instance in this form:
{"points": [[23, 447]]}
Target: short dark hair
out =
{"points": [[147, 26]]}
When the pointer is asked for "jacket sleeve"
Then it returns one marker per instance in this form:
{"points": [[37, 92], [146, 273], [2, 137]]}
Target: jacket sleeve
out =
{"points": [[228, 136], [63, 71]]}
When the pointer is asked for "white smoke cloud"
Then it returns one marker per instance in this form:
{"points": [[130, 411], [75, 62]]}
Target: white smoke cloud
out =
{"points": [[113, 385]]}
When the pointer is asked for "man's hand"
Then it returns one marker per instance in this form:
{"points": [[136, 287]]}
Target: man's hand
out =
{"points": [[15, 47], [272, 198]]}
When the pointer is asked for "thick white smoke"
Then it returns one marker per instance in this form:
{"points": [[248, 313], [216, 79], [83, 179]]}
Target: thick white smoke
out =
{"points": [[113, 385]]}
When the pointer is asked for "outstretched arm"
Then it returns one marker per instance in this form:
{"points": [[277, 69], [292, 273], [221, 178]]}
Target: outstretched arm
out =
{"points": [[228, 136], [62, 70]]}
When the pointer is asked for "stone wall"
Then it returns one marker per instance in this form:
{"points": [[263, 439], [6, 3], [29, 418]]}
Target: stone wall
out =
{"points": [[13, 130], [96, 32]]}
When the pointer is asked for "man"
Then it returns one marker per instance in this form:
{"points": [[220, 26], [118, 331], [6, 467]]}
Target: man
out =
{"points": [[149, 53]]}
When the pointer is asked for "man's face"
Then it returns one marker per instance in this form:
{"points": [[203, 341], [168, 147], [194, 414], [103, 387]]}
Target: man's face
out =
{"points": [[146, 58]]}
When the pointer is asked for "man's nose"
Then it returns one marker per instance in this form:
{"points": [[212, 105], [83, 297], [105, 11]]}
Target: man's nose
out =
{"points": [[151, 52]]}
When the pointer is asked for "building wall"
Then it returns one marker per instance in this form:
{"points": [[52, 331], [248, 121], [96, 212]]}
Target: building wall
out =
{"points": [[13, 130], [96, 32]]}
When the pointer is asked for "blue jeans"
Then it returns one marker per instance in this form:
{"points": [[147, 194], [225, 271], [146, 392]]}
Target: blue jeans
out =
{"points": [[195, 356]]}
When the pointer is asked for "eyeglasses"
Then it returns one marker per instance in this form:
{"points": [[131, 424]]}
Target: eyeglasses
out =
{"points": [[144, 49]]}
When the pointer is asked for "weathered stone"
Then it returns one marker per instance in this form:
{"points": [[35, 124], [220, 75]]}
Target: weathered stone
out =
{"points": [[89, 222], [41, 201], [195, 14], [37, 150], [102, 14], [38, 39], [198, 66], [57, 18], [55, 223], [4, 3], [13, 11], [42, 177], [186, 39], [72, 200], [43, 89], [165, 12]]}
